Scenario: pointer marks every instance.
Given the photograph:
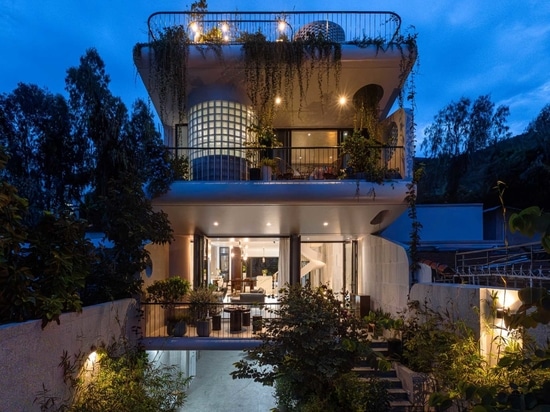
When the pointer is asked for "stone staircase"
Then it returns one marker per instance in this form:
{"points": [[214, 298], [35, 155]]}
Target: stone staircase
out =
{"points": [[399, 397]]}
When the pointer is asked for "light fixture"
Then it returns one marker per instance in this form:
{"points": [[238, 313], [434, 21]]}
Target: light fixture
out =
{"points": [[342, 100], [325, 223], [282, 25], [263, 255], [215, 223], [278, 100]]}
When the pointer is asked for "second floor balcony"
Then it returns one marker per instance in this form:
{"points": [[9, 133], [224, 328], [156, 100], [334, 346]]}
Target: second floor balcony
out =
{"points": [[312, 163]]}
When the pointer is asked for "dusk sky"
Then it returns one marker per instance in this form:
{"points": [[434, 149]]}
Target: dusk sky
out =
{"points": [[467, 48]]}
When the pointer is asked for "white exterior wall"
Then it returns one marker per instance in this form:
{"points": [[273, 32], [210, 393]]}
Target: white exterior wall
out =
{"points": [[31, 356], [384, 274]]}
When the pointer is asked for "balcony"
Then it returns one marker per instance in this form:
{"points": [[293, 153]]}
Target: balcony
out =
{"points": [[190, 57], [229, 27], [288, 163]]}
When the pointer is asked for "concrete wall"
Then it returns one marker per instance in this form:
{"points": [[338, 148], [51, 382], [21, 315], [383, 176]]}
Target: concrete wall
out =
{"points": [[30, 356], [384, 274], [459, 300]]}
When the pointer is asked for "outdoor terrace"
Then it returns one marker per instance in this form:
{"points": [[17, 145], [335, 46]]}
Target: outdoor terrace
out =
{"points": [[291, 163], [229, 27]]}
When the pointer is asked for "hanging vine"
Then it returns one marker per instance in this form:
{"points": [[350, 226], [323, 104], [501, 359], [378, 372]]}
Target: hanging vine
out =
{"points": [[168, 62], [276, 69]]}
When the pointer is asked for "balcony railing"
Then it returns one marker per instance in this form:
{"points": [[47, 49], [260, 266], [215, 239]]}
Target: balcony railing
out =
{"points": [[289, 163], [350, 26], [156, 319]]}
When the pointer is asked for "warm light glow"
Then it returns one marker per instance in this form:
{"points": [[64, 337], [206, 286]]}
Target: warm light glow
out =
{"points": [[282, 25], [342, 100], [325, 223], [90, 361], [216, 223], [225, 27], [268, 224], [194, 26], [278, 100], [226, 38]]}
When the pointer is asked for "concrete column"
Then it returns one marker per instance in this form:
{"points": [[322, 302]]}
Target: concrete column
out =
{"points": [[181, 258], [295, 259]]}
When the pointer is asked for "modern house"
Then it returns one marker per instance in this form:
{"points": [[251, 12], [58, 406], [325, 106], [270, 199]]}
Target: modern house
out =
{"points": [[239, 90]]}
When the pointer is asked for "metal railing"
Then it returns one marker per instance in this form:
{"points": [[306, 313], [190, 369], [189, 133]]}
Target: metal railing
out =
{"points": [[158, 319], [514, 266], [288, 163], [352, 26]]}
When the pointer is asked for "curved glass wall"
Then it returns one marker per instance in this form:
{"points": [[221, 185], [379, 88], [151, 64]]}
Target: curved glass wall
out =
{"points": [[217, 132]]}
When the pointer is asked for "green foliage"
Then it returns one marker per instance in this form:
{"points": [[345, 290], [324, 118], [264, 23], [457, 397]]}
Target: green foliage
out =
{"points": [[46, 161], [123, 378], [170, 290], [364, 156], [461, 127], [462, 375], [531, 221], [309, 322], [202, 302], [41, 270]]}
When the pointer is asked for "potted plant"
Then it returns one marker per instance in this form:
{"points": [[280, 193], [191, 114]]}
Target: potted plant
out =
{"points": [[263, 140], [202, 302], [268, 168], [168, 292]]}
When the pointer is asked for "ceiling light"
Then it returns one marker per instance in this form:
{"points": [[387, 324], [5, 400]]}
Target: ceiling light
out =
{"points": [[268, 224], [278, 100], [216, 223], [342, 100], [325, 223]]}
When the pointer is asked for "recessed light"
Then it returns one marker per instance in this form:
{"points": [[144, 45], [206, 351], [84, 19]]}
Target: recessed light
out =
{"points": [[216, 223], [268, 224], [325, 223]]}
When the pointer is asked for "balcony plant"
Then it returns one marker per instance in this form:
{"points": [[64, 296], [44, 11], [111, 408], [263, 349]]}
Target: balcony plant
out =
{"points": [[363, 157], [202, 303], [169, 292]]}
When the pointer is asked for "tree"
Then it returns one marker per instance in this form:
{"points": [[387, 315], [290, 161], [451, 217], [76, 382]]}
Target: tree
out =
{"points": [[126, 155], [307, 351], [42, 269], [44, 159], [463, 127]]}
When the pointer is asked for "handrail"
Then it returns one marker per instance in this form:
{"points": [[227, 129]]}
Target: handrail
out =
{"points": [[289, 163], [357, 26]]}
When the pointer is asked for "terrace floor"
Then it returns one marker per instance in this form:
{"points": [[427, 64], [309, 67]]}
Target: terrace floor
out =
{"points": [[213, 389]]}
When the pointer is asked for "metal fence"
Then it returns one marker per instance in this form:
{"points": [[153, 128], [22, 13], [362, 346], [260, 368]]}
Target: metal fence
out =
{"points": [[514, 266], [288, 163], [232, 26]]}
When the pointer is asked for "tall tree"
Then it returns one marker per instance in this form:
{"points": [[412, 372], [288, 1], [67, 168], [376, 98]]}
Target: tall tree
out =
{"points": [[463, 127], [124, 153], [43, 159]]}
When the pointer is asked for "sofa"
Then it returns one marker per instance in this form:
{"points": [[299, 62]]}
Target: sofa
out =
{"points": [[250, 297]]}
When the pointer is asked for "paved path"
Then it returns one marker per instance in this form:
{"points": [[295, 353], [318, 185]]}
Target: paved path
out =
{"points": [[213, 389]]}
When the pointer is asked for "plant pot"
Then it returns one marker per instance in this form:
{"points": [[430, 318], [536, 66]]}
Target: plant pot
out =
{"points": [[257, 323], [217, 322], [203, 328], [267, 172], [254, 173], [179, 328]]}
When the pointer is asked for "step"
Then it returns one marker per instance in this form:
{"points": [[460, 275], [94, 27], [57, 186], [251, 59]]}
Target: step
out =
{"points": [[370, 371], [398, 394], [393, 382], [401, 406]]}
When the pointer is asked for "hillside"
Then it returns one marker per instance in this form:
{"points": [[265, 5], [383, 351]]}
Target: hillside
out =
{"points": [[522, 162]]}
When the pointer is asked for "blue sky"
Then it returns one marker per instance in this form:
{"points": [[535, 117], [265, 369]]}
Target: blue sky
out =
{"points": [[467, 48]]}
